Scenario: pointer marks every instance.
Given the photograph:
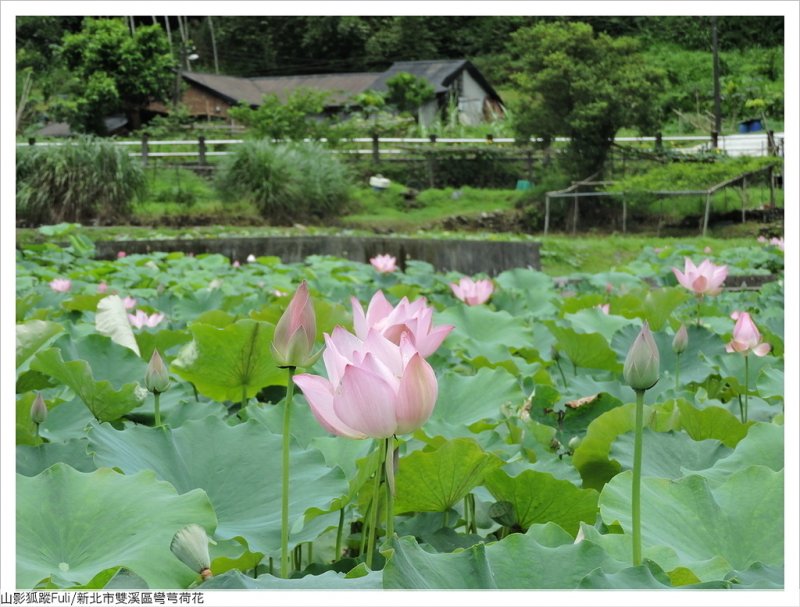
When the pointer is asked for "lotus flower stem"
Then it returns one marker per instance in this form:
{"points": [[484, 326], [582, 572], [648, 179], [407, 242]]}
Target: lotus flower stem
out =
{"points": [[563, 377], [338, 551], [156, 399], [364, 529], [699, 301], [389, 467], [677, 372], [746, 386], [287, 418], [636, 497], [376, 496]]}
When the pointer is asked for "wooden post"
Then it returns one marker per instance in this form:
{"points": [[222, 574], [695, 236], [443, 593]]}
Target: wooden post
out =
{"points": [[144, 149], [31, 140], [574, 214], [771, 143], [201, 147], [659, 143], [744, 197], [708, 210], [489, 138], [546, 214], [529, 165], [714, 139], [376, 152], [624, 215], [432, 165], [772, 187]]}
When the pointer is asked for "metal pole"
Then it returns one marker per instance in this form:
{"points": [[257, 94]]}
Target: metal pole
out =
{"points": [[213, 44], [574, 214], [708, 210]]}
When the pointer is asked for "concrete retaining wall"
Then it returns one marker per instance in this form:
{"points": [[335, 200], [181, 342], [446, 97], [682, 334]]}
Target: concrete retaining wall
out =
{"points": [[466, 256]]}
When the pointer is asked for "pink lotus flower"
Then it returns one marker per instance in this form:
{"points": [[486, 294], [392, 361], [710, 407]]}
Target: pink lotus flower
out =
{"points": [[384, 263], [102, 287], [705, 279], [473, 292], [60, 285], [762, 239], [604, 308], [142, 319], [746, 337], [236, 264], [777, 242], [296, 331], [413, 319], [375, 388], [129, 302], [121, 254]]}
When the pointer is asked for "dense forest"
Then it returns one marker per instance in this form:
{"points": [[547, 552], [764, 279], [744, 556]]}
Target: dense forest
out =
{"points": [[52, 82]]}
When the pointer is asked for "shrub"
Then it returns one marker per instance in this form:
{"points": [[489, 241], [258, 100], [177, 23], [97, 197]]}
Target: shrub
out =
{"points": [[88, 180], [287, 182]]}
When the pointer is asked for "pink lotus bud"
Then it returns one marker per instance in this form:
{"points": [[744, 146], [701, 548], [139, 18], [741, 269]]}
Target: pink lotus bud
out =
{"points": [[129, 302], [604, 308], [384, 263], [746, 337], [641, 368], [38, 410], [236, 264], [473, 292], [705, 279], [293, 341], [375, 388], [414, 319], [681, 340], [60, 285], [121, 254], [777, 242], [102, 287], [156, 378]]}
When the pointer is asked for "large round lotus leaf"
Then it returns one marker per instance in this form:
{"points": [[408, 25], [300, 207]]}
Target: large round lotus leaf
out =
{"points": [[653, 305], [232, 363], [32, 336], [518, 561], [236, 580], [480, 331], [586, 350], [740, 520], [435, 481], [645, 577], [102, 373], [668, 454], [72, 525], [762, 446], [33, 460], [594, 320], [466, 399], [538, 497], [237, 466], [525, 292]]}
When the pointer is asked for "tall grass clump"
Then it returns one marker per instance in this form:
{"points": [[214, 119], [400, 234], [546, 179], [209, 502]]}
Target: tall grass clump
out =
{"points": [[287, 182], [83, 181]]}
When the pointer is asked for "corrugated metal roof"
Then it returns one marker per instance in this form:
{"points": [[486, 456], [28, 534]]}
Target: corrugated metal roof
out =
{"points": [[232, 88], [438, 73], [342, 87]]}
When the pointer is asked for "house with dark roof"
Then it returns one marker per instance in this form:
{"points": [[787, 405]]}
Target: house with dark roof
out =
{"points": [[456, 83]]}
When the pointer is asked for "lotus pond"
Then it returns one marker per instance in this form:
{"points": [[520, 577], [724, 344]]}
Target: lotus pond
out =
{"points": [[521, 477]]}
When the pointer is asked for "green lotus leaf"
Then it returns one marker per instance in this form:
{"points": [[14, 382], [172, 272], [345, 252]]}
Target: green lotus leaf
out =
{"points": [[72, 526], [762, 446], [538, 497], [593, 320], [33, 336], [740, 520], [236, 580], [586, 350], [34, 460], [237, 466], [102, 373], [525, 292], [437, 480], [518, 561], [232, 363], [481, 331]]}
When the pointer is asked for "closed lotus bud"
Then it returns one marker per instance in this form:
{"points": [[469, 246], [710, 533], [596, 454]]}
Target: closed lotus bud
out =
{"points": [[156, 379], [38, 410], [190, 545], [681, 340], [642, 363], [574, 442], [296, 331]]}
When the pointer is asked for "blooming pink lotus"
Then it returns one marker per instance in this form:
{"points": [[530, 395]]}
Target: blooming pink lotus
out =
{"points": [[102, 287], [777, 242], [61, 285], [129, 302], [412, 318], [121, 254], [384, 263], [746, 337], [705, 279], [296, 331], [374, 389], [142, 319], [473, 292], [236, 264]]}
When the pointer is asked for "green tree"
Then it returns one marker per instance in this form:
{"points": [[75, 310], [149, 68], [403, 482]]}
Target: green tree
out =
{"points": [[584, 86], [408, 93], [297, 118], [114, 71]]}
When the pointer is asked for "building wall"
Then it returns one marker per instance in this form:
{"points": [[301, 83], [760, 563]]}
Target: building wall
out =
{"points": [[470, 102], [199, 103]]}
